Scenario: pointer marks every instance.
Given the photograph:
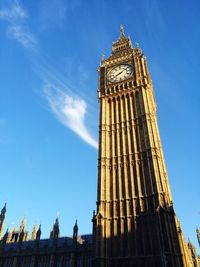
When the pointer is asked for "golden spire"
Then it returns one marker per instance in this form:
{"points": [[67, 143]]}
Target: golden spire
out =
{"points": [[23, 223], [10, 232], [33, 237], [122, 34]]}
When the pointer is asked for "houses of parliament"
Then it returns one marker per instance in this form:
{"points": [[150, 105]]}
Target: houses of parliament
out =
{"points": [[134, 223]]}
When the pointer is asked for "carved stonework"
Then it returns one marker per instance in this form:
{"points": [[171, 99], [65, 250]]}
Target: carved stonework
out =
{"points": [[136, 187]]}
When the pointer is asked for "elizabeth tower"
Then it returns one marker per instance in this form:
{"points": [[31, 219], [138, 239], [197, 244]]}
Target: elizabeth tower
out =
{"points": [[135, 223]]}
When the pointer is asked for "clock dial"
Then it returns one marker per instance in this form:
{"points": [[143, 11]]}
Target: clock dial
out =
{"points": [[120, 73]]}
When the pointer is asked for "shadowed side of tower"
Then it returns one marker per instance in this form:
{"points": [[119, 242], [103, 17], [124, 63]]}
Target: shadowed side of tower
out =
{"points": [[135, 223]]}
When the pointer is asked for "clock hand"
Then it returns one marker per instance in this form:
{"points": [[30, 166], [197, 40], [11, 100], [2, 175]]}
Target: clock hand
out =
{"points": [[119, 73], [122, 71]]}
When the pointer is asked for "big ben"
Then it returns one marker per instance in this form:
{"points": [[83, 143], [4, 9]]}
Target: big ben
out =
{"points": [[135, 223]]}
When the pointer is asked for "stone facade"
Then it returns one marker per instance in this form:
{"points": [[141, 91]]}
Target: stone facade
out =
{"points": [[135, 223]]}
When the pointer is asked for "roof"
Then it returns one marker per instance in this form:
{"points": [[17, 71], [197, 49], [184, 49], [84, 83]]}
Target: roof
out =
{"points": [[61, 242]]}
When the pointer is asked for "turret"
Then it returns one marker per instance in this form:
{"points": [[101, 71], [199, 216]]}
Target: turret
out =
{"points": [[34, 233], [9, 236], [14, 236], [21, 234], [198, 234], [55, 233], [23, 224], [193, 252], [2, 220], [38, 234], [75, 232]]}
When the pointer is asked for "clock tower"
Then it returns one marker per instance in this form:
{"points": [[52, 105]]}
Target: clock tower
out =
{"points": [[135, 222]]}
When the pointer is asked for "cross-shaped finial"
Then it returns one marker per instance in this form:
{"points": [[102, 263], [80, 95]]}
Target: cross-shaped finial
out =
{"points": [[122, 31]]}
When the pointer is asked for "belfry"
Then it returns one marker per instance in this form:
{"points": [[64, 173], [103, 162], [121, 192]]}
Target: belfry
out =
{"points": [[135, 223]]}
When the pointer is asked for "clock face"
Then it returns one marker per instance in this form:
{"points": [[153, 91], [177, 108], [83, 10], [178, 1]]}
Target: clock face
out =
{"points": [[120, 73]]}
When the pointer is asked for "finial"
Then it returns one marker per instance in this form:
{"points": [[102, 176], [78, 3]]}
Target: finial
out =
{"points": [[35, 228], [76, 224], [198, 234], [34, 232], [23, 223], [38, 234], [122, 31], [4, 208], [75, 231], [54, 234], [57, 221], [102, 56]]}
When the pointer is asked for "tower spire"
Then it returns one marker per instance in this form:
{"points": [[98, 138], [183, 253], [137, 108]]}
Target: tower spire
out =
{"points": [[2, 219], [38, 234], [198, 235], [23, 224], [122, 34], [22, 234], [55, 233], [34, 232], [75, 231], [123, 43]]}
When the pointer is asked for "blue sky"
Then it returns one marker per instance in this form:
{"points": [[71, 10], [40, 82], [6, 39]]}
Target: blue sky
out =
{"points": [[49, 54]]}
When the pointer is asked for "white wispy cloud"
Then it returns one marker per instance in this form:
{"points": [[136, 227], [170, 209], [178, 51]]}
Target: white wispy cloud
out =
{"points": [[67, 104], [70, 111], [24, 37], [17, 28], [14, 13]]}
